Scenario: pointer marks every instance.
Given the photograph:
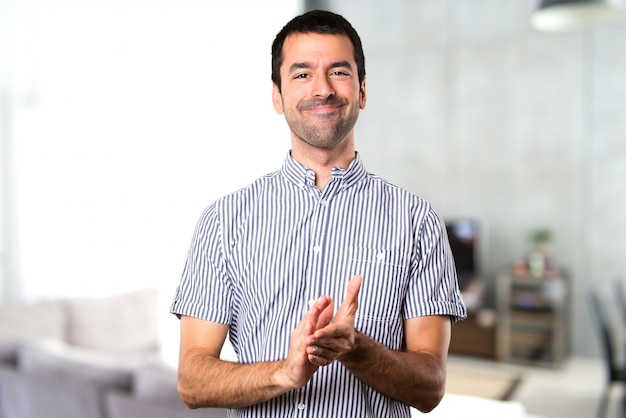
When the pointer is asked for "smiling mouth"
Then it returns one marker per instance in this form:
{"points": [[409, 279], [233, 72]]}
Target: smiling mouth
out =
{"points": [[323, 109], [329, 105]]}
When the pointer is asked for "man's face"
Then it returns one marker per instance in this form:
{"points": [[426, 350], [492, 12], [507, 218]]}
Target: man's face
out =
{"points": [[320, 92]]}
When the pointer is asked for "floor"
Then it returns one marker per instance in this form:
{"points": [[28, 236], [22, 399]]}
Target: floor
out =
{"points": [[571, 391]]}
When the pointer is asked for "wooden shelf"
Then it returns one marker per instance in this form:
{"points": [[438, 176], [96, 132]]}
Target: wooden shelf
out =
{"points": [[531, 319]]}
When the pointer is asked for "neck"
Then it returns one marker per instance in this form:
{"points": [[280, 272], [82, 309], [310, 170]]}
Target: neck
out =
{"points": [[322, 161]]}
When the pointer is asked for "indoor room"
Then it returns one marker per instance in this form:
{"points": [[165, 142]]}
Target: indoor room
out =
{"points": [[122, 121]]}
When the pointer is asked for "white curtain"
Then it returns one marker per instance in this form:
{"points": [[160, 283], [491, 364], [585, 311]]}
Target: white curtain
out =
{"points": [[128, 118]]}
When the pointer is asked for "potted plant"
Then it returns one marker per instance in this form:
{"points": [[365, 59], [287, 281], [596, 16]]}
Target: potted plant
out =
{"points": [[539, 255]]}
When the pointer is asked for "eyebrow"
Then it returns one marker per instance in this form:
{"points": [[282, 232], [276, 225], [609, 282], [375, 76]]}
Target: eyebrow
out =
{"points": [[306, 65]]}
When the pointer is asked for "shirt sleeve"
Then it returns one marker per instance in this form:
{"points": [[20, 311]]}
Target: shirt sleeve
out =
{"points": [[433, 288], [204, 291]]}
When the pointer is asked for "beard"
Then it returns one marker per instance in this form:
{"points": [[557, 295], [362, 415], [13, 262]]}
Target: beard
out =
{"points": [[321, 130]]}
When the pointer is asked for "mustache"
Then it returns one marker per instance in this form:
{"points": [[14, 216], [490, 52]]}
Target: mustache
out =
{"points": [[332, 101]]}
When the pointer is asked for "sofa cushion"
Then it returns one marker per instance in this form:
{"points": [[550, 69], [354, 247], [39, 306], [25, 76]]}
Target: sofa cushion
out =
{"points": [[121, 405], [91, 368], [155, 381], [44, 319], [123, 323], [10, 346], [26, 396], [30, 322], [155, 395]]}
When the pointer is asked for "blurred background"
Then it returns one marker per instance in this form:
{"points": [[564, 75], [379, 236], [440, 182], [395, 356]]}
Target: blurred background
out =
{"points": [[120, 121]]}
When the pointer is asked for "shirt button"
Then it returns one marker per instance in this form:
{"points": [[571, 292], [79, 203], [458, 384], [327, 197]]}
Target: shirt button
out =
{"points": [[323, 202], [380, 256], [311, 302], [317, 248], [301, 406]]}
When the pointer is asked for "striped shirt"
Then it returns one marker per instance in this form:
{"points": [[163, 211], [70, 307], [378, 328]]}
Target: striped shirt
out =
{"points": [[260, 256]]}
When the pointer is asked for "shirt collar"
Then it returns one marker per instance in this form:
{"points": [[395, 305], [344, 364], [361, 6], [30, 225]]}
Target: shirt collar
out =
{"points": [[302, 175]]}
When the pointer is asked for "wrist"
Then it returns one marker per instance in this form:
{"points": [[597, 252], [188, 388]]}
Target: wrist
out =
{"points": [[280, 377], [283, 377]]}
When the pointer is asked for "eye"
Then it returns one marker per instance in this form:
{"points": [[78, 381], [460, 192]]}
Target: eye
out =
{"points": [[301, 76], [339, 73]]}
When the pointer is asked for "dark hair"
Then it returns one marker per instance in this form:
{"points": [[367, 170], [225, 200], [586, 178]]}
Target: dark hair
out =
{"points": [[322, 22]]}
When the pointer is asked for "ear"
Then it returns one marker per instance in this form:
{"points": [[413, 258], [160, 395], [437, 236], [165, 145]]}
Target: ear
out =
{"points": [[277, 99], [362, 96]]}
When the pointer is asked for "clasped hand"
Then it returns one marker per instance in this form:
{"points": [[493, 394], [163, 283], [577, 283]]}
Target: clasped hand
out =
{"points": [[332, 337], [322, 338]]}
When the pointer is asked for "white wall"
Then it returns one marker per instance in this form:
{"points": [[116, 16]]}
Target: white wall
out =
{"points": [[130, 117], [474, 110]]}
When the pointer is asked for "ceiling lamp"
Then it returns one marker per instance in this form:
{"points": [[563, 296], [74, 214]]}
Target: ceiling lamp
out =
{"points": [[569, 15]]}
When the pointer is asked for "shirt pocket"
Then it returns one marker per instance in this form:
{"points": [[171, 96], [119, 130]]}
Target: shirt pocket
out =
{"points": [[385, 280]]}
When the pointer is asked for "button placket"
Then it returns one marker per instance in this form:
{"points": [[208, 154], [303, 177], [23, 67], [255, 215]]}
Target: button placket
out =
{"points": [[318, 231], [300, 409]]}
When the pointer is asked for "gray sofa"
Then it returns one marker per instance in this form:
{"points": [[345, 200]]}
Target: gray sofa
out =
{"points": [[87, 358]]}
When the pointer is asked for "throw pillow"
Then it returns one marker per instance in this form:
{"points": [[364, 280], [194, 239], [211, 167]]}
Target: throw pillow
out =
{"points": [[44, 319], [124, 323]]}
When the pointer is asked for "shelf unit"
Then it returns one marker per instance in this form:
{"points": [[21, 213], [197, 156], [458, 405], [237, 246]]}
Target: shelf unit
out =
{"points": [[531, 319]]}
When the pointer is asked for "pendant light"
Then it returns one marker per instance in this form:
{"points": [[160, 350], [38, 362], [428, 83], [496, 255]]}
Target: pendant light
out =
{"points": [[571, 15]]}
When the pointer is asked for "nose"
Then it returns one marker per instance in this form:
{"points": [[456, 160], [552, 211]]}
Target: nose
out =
{"points": [[323, 87]]}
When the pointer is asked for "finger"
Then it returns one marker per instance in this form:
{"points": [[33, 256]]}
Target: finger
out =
{"points": [[354, 286], [320, 359], [322, 354], [326, 315], [319, 311], [346, 312], [308, 329]]}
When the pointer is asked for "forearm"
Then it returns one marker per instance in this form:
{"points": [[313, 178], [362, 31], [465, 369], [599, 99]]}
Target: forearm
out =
{"points": [[206, 381], [414, 378]]}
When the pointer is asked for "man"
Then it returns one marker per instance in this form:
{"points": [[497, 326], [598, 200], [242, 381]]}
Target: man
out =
{"points": [[338, 288]]}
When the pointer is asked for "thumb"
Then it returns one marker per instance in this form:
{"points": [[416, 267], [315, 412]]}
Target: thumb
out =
{"points": [[354, 286], [351, 302]]}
